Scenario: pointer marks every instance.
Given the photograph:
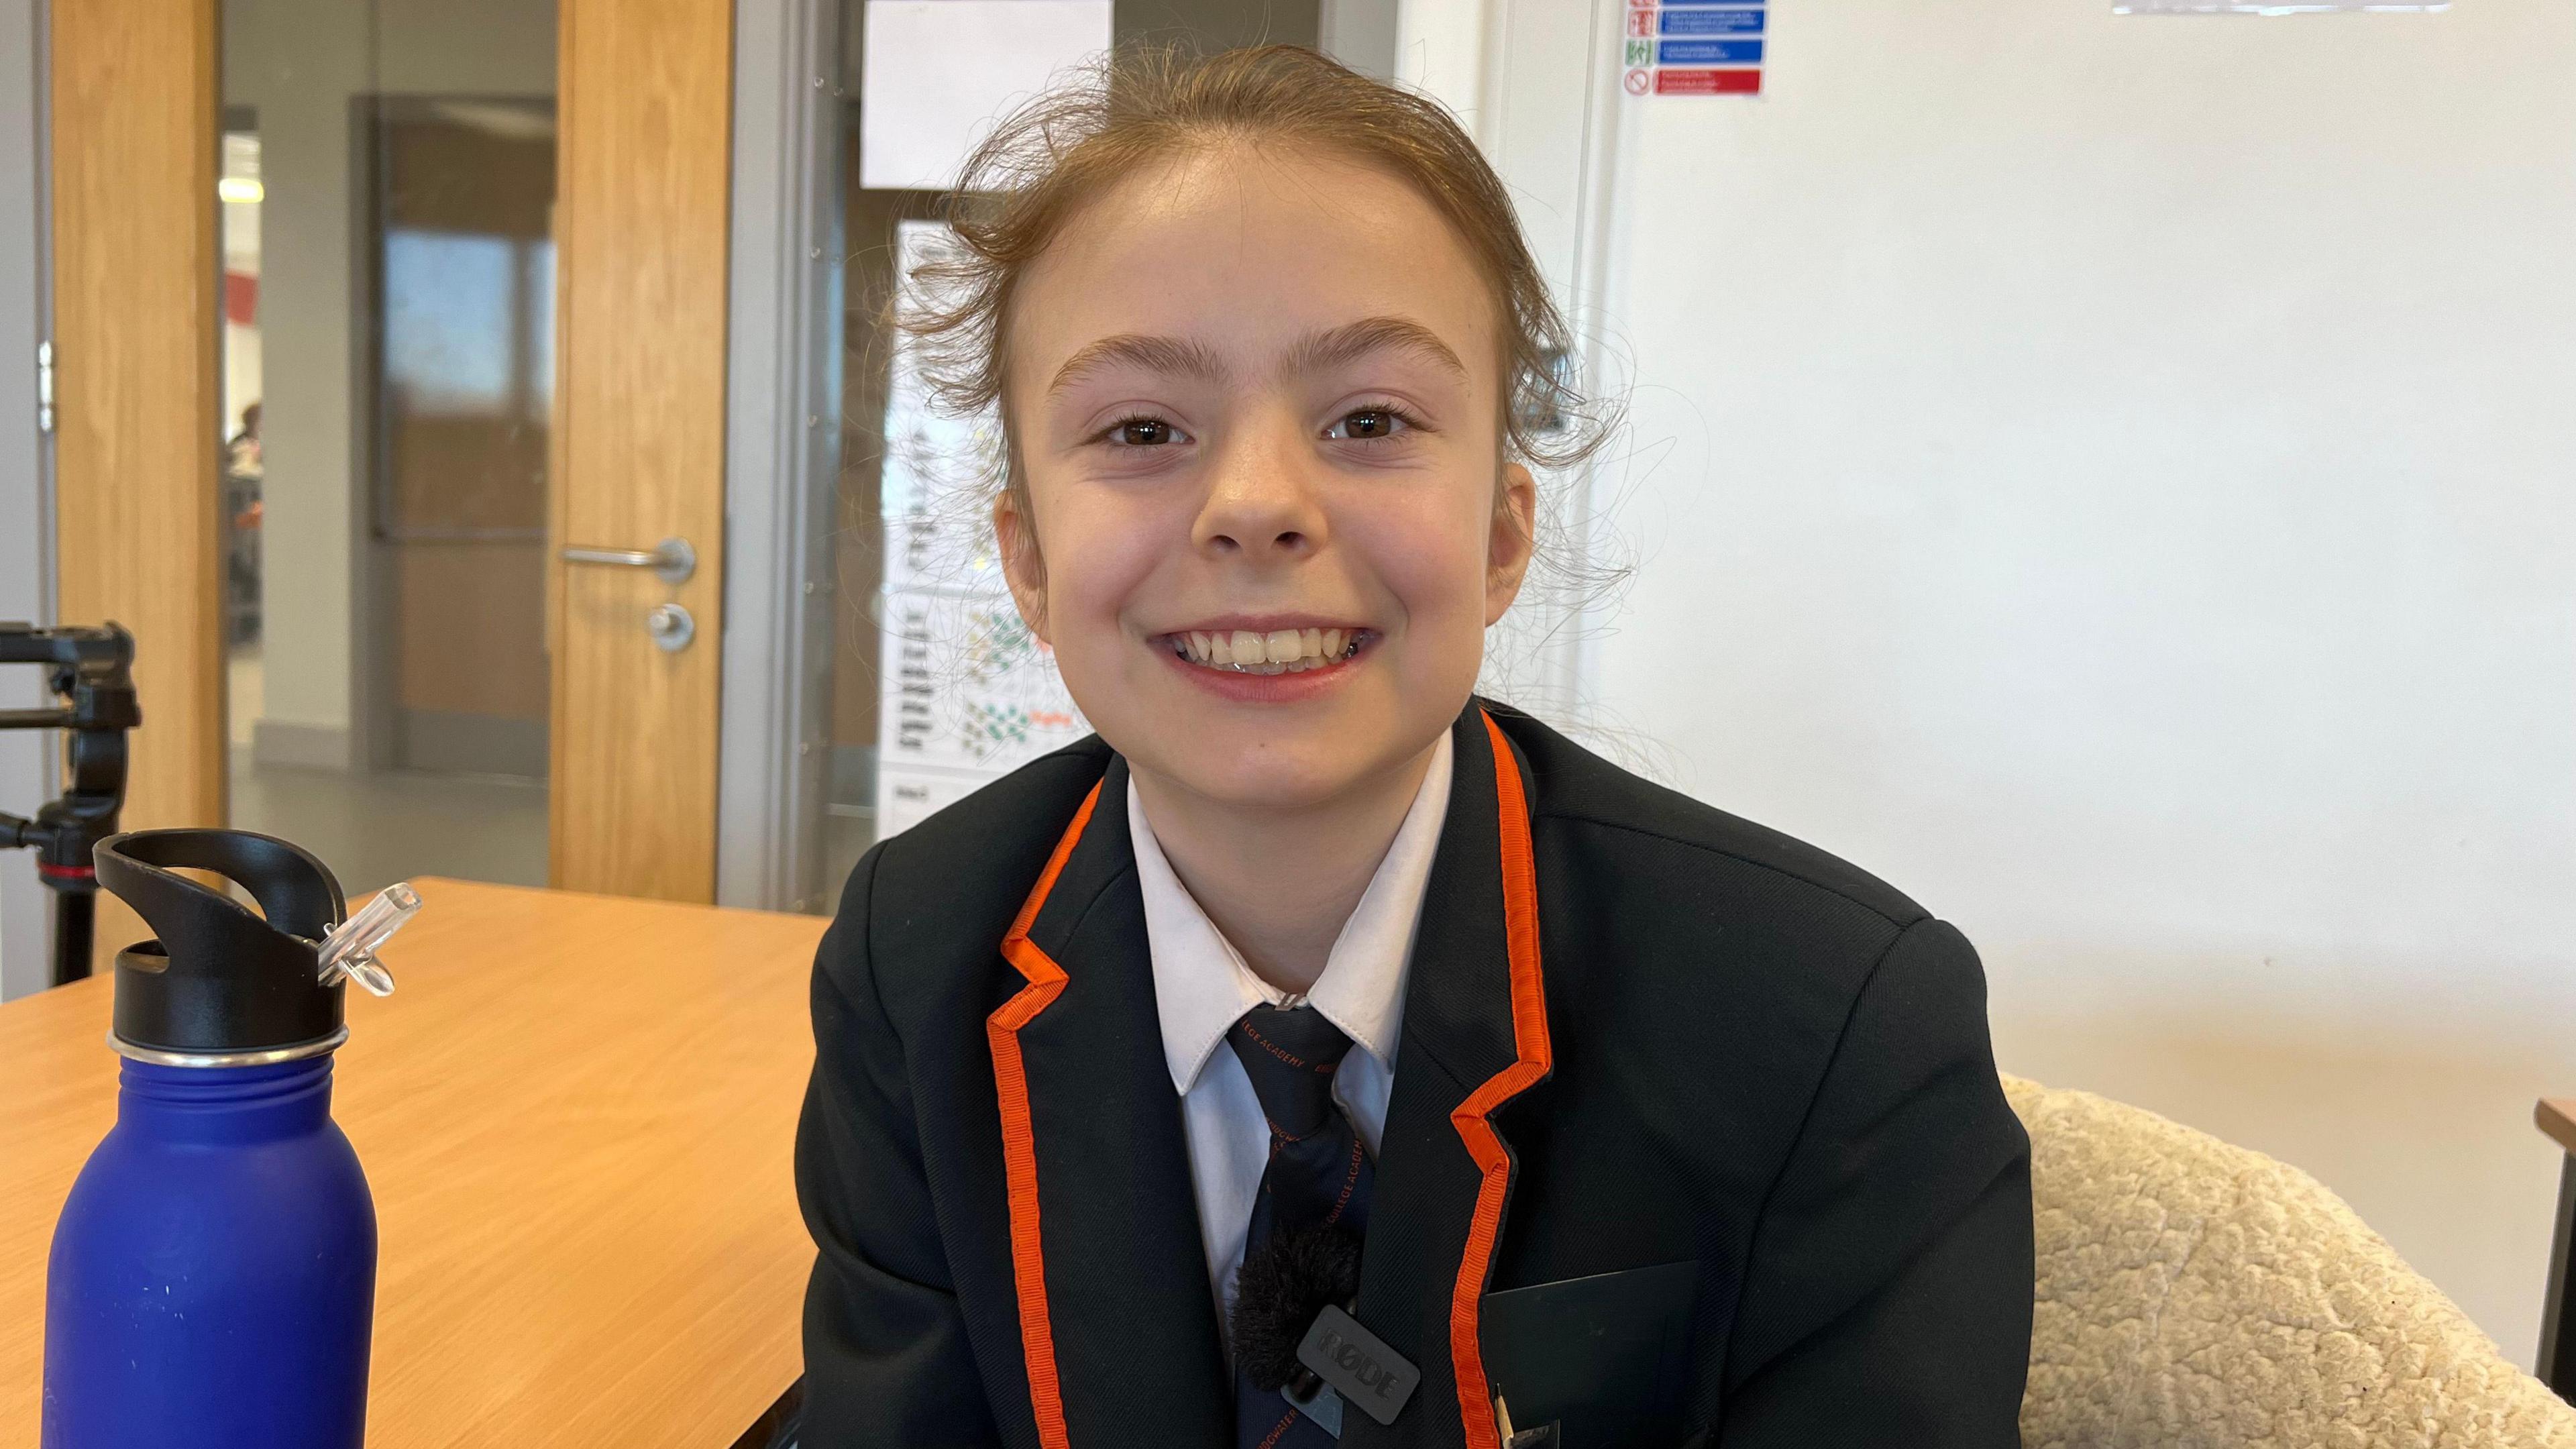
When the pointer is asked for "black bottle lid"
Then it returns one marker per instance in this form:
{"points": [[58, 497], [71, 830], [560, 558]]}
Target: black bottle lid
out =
{"points": [[218, 977]]}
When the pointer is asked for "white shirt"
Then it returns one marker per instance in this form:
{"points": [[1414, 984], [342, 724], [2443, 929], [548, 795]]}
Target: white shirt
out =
{"points": [[1202, 987]]}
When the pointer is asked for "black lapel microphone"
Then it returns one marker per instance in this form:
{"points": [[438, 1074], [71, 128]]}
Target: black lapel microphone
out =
{"points": [[1294, 1334], [1278, 1292]]}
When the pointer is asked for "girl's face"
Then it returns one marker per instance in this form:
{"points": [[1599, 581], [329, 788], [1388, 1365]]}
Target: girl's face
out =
{"points": [[1255, 399]]}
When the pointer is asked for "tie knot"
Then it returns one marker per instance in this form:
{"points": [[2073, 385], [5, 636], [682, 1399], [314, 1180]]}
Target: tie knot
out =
{"points": [[1290, 1054]]}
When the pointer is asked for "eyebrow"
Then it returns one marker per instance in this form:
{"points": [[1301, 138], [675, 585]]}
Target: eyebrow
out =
{"points": [[1319, 351], [1315, 352], [1154, 354]]}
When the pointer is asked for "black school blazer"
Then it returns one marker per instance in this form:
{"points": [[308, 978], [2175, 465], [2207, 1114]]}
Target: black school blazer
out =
{"points": [[1637, 1031]]}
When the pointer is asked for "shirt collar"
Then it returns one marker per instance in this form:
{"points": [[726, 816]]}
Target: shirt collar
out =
{"points": [[1202, 985]]}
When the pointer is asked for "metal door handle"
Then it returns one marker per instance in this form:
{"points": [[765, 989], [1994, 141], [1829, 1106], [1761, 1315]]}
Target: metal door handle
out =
{"points": [[673, 559]]}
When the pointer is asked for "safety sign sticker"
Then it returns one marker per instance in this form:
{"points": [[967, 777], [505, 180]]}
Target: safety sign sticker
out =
{"points": [[1694, 20], [1694, 47]]}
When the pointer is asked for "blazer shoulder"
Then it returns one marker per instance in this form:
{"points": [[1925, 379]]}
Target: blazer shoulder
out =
{"points": [[924, 912], [1574, 785]]}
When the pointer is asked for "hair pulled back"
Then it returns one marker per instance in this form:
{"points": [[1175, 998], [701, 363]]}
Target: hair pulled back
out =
{"points": [[1142, 105]]}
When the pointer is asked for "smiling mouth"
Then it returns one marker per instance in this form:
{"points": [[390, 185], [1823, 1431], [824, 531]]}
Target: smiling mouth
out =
{"points": [[1280, 651]]}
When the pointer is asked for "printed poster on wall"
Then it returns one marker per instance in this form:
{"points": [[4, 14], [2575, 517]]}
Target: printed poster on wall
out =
{"points": [[965, 693], [1694, 48], [963, 686]]}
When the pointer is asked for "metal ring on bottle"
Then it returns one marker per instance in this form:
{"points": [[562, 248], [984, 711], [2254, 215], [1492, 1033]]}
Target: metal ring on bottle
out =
{"points": [[265, 1057]]}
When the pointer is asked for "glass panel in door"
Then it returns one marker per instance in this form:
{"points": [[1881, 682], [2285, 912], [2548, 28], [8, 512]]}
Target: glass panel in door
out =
{"points": [[388, 183]]}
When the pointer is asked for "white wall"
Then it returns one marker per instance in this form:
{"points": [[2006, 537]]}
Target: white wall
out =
{"points": [[2110, 477]]}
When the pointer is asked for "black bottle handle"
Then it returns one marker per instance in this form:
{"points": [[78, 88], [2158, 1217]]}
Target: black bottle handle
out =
{"points": [[218, 976]]}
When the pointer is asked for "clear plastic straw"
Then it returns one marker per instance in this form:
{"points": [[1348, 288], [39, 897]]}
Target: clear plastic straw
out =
{"points": [[350, 949]]}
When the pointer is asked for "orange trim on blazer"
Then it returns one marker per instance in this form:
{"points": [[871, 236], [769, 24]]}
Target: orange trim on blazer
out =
{"points": [[1019, 1139], [1529, 1037]]}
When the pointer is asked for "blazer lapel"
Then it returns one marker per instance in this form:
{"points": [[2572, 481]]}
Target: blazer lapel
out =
{"points": [[1117, 1319], [1475, 1035]]}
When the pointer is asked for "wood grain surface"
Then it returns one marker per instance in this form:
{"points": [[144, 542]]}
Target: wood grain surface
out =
{"points": [[576, 1113], [646, 106], [136, 434]]}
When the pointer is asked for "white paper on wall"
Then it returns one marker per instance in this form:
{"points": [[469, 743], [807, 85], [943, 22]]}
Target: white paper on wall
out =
{"points": [[940, 72], [908, 795]]}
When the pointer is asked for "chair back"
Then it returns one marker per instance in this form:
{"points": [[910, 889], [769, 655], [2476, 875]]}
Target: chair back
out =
{"points": [[2194, 1295]]}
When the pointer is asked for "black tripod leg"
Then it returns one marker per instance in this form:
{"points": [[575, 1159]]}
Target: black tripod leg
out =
{"points": [[75, 924], [2557, 1366]]}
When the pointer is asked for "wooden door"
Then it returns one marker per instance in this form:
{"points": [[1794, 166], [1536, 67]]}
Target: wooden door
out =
{"points": [[641, 218], [135, 428]]}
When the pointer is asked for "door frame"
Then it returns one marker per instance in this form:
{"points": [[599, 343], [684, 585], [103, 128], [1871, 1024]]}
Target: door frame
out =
{"points": [[27, 757], [782, 454], [1534, 62]]}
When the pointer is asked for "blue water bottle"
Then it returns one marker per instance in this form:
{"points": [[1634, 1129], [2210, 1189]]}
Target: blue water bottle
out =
{"points": [[213, 1274]]}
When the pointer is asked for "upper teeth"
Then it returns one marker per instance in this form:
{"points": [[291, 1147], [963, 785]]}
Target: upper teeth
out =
{"points": [[1281, 651]]}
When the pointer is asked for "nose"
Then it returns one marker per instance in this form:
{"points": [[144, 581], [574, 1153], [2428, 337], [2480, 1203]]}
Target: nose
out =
{"points": [[1261, 504]]}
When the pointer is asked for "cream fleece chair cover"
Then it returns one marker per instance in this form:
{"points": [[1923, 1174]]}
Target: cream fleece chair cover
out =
{"points": [[2194, 1295]]}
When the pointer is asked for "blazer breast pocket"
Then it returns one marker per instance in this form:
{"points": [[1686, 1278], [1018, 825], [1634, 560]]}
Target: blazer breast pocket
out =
{"points": [[1600, 1360]]}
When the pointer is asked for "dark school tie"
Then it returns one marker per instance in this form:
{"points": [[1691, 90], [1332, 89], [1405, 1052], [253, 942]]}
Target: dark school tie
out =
{"points": [[1318, 1178]]}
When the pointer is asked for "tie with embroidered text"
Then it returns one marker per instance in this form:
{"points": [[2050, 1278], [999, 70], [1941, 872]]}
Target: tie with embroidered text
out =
{"points": [[1318, 1177]]}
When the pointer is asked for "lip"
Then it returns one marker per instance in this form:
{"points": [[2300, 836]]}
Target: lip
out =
{"points": [[1237, 688]]}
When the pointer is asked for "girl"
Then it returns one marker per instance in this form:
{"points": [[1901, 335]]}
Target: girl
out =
{"points": [[1321, 1051]]}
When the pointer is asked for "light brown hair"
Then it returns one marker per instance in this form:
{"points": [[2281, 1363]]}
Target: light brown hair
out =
{"points": [[1046, 161]]}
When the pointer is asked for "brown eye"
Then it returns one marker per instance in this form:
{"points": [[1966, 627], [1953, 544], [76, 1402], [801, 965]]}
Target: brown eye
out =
{"points": [[1142, 432], [1367, 424]]}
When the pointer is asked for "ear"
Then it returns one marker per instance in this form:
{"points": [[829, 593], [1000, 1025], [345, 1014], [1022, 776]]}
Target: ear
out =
{"points": [[1513, 537], [1023, 567]]}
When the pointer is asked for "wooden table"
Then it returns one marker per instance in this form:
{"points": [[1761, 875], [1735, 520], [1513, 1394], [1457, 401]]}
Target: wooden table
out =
{"points": [[2558, 1310], [576, 1113]]}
